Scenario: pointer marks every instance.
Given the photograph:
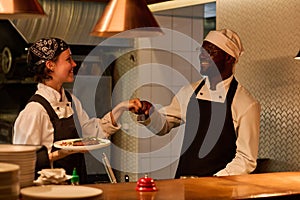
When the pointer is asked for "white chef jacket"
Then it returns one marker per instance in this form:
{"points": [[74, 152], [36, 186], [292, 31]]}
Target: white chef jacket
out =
{"points": [[245, 114], [33, 125]]}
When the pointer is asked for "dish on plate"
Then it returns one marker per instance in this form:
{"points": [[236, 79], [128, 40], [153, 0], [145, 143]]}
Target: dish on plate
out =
{"points": [[59, 192], [82, 143]]}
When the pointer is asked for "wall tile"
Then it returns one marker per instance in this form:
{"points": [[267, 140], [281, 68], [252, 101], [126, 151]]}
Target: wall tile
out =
{"points": [[270, 34]]}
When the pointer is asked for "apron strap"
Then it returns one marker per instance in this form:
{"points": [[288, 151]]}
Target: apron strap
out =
{"points": [[40, 99], [75, 115], [199, 87], [231, 91]]}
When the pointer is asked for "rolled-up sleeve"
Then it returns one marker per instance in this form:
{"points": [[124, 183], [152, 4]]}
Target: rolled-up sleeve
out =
{"points": [[163, 120], [94, 127]]}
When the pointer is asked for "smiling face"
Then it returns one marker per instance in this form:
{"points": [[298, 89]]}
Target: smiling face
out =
{"points": [[214, 61], [61, 69]]}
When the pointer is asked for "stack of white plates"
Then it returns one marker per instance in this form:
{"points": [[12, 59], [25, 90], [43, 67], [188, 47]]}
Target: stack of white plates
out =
{"points": [[24, 156], [9, 181]]}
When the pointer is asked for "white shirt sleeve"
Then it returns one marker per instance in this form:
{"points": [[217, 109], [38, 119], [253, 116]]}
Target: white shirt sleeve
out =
{"points": [[33, 126], [246, 116], [163, 120], [94, 127]]}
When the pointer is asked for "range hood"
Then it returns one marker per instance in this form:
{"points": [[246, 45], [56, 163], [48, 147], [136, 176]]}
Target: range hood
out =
{"points": [[69, 20], [72, 21]]}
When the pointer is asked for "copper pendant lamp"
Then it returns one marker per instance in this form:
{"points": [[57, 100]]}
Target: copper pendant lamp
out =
{"points": [[14, 9], [122, 15]]}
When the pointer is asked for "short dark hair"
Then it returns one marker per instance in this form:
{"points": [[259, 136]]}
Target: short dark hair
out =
{"points": [[40, 72]]}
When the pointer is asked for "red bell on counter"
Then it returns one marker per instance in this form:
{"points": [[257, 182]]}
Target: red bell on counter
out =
{"points": [[146, 184]]}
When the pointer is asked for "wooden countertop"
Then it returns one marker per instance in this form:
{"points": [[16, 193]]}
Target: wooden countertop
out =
{"points": [[279, 184]]}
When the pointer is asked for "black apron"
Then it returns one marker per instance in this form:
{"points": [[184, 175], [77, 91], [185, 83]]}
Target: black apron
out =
{"points": [[65, 129], [209, 142]]}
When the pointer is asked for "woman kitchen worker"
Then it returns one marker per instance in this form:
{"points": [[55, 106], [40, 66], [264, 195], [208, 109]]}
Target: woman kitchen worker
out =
{"points": [[49, 115]]}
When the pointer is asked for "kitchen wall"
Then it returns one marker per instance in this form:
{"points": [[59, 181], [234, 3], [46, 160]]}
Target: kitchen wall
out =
{"points": [[270, 34], [162, 66], [173, 64]]}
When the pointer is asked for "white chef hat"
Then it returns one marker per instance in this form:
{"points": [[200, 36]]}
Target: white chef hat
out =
{"points": [[228, 41]]}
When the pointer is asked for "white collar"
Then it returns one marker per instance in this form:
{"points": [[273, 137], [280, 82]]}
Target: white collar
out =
{"points": [[218, 95], [51, 94], [225, 84]]}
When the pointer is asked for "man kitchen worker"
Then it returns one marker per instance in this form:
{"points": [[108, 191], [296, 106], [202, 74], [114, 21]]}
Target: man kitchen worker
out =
{"points": [[221, 117]]}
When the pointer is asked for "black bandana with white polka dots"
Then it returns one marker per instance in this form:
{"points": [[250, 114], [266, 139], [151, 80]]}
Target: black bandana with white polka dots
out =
{"points": [[47, 49]]}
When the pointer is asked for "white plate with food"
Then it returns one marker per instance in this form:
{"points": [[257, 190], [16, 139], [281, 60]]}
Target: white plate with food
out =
{"points": [[79, 144], [59, 192]]}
